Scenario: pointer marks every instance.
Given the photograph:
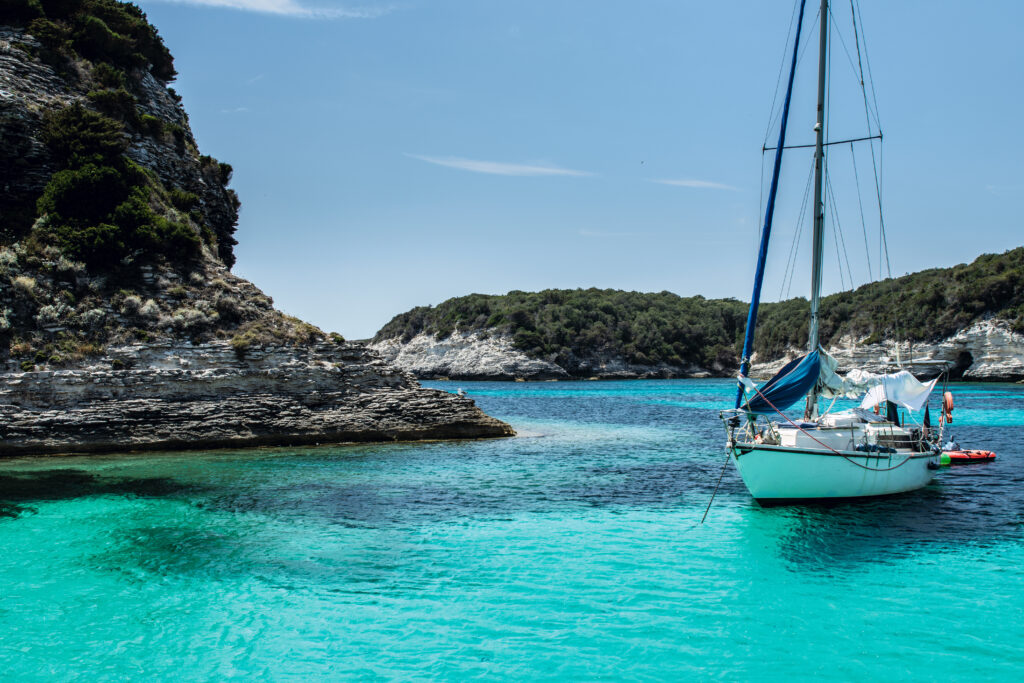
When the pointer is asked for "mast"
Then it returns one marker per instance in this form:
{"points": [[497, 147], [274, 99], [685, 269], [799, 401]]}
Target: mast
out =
{"points": [[819, 203], [769, 213]]}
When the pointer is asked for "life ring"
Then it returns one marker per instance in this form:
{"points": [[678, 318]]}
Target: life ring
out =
{"points": [[947, 406]]}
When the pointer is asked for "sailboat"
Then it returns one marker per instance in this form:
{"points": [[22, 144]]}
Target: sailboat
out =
{"points": [[855, 453]]}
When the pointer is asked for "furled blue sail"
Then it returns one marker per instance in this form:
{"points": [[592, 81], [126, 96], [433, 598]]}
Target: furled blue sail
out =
{"points": [[769, 213], [788, 386]]}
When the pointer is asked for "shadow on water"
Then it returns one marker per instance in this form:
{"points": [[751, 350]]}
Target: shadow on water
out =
{"points": [[18, 491], [143, 550], [453, 483], [956, 511]]}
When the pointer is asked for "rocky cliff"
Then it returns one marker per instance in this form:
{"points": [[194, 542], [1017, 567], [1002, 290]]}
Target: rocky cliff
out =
{"points": [[479, 356], [987, 351], [121, 325]]}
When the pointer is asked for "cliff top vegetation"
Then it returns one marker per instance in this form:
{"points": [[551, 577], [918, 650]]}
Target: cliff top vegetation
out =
{"points": [[663, 328]]}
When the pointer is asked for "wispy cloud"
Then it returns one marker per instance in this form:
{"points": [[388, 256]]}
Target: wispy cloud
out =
{"points": [[293, 8], [702, 184], [499, 167], [236, 110]]}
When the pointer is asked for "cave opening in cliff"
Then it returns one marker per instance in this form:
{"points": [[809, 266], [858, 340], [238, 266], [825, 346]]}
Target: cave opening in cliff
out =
{"points": [[963, 362]]}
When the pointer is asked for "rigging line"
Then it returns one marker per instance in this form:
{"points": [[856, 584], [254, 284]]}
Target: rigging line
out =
{"points": [[835, 234], [881, 219], [794, 247], [842, 41], [800, 60], [782, 64], [824, 161], [881, 222], [883, 242], [828, 144], [860, 204], [792, 270], [760, 201], [839, 229], [860, 75], [855, 4], [713, 493]]}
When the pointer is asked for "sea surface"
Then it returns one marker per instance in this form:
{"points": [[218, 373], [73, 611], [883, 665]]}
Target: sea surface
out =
{"points": [[572, 552]]}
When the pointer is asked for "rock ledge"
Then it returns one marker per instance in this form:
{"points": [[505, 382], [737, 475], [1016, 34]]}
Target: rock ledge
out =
{"points": [[207, 396]]}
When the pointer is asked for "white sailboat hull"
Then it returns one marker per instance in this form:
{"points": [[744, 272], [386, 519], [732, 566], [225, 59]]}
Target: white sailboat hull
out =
{"points": [[776, 473]]}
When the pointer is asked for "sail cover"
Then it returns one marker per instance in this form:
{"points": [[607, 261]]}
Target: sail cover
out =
{"points": [[787, 387]]}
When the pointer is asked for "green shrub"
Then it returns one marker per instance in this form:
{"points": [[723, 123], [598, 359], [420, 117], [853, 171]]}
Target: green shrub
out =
{"points": [[108, 76], [183, 200], [95, 40], [242, 342], [89, 193], [77, 136], [225, 171], [52, 36], [151, 125], [117, 103], [99, 217], [103, 31]]}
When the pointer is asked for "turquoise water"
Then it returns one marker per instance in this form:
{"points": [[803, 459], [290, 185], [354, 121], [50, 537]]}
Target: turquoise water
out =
{"points": [[571, 552]]}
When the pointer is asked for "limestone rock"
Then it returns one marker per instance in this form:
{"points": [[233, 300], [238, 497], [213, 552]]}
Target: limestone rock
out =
{"points": [[465, 356], [473, 356], [207, 396], [988, 351]]}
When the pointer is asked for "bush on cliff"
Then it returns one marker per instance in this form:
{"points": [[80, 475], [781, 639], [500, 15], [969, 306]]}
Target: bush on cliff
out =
{"points": [[100, 207], [77, 136], [107, 31]]}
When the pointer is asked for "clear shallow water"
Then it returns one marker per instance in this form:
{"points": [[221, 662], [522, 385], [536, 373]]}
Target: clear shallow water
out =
{"points": [[572, 552]]}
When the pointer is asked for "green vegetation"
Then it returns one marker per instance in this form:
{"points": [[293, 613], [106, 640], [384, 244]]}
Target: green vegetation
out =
{"points": [[925, 306], [567, 326], [100, 207], [274, 331], [116, 103], [103, 31]]}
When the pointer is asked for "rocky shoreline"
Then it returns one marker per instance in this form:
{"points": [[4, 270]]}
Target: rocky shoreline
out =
{"points": [[205, 396], [154, 344], [986, 351]]}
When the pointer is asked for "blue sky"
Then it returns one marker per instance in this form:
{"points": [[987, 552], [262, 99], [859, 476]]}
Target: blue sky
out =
{"points": [[390, 155]]}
